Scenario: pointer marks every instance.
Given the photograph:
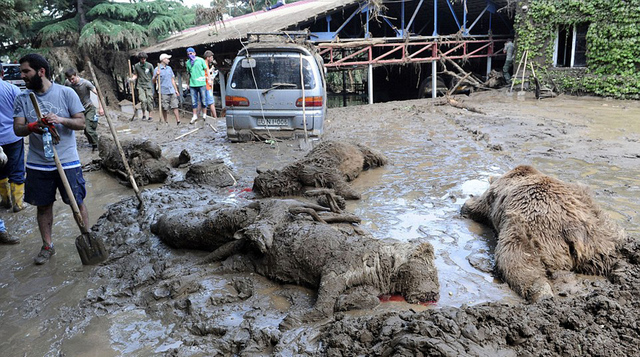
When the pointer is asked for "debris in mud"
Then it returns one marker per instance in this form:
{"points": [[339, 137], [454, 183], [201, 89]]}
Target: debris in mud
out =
{"points": [[144, 156], [544, 226], [495, 79], [181, 160], [211, 172], [331, 164]]}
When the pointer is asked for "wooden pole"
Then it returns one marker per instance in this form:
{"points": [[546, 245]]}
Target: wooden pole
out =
{"points": [[304, 112], [133, 94], [160, 95], [524, 69], [517, 70], [187, 133], [132, 180]]}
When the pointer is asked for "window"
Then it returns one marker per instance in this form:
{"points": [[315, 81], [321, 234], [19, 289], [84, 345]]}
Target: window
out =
{"points": [[571, 46], [275, 72]]}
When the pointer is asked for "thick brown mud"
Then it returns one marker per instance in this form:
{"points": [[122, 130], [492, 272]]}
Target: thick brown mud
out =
{"points": [[151, 299]]}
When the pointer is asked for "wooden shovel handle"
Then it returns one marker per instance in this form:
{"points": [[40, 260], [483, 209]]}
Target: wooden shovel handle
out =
{"points": [[63, 176]]}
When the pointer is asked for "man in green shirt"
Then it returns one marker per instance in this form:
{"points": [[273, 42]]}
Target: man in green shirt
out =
{"points": [[196, 69], [143, 72]]}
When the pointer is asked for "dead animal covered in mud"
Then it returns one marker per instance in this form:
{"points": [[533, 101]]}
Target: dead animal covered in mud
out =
{"points": [[144, 158], [545, 226], [330, 164], [349, 268]]}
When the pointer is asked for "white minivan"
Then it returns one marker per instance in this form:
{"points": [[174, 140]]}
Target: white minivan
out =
{"points": [[269, 95], [12, 74]]}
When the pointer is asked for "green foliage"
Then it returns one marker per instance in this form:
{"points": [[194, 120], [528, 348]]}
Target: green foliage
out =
{"points": [[114, 11], [613, 42], [65, 30], [17, 17], [112, 34]]}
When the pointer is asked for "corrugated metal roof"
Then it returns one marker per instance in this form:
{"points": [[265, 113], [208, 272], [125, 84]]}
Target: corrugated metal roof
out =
{"points": [[278, 19]]}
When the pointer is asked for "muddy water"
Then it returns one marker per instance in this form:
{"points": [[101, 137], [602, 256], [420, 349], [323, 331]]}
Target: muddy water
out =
{"points": [[31, 295], [435, 164]]}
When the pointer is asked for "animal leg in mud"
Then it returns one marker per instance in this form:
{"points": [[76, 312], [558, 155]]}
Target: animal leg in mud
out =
{"points": [[226, 250], [329, 198], [341, 218], [309, 211], [520, 266], [331, 286], [338, 218]]}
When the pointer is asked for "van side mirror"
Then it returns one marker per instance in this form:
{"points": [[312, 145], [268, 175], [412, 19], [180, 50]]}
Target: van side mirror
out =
{"points": [[248, 63]]}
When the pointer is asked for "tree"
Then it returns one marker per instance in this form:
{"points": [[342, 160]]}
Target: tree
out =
{"points": [[113, 26], [17, 18]]}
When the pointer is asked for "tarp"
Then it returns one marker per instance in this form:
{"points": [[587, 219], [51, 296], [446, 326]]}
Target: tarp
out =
{"points": [[279, 19]]}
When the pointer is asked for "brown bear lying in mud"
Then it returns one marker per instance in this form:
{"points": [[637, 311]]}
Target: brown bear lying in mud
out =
{"points": [[331, 164], [283, 244], [544, 226]]}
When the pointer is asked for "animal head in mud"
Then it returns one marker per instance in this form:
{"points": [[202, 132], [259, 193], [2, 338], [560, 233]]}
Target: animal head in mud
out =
{"points": [[479, 208], [417, 279], [272, 183], [545, 225]]}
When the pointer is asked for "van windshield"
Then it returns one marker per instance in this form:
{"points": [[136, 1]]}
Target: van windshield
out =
{"points": [[273, 72], [11, 73]]}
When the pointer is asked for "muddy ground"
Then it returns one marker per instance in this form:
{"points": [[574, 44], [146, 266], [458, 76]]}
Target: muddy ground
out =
{"points": [[149, 299]]}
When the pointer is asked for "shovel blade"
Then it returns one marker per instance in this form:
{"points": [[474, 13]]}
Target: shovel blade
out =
{"points": [[91, 249]]}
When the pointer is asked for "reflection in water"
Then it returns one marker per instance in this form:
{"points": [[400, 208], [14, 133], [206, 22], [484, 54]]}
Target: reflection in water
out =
{"points": [[24, 310]]}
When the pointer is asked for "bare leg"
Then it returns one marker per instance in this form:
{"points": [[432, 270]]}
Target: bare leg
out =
{"points": [[44, 216], [85, 214], [164, 115], [213, 111], [177, 114]]}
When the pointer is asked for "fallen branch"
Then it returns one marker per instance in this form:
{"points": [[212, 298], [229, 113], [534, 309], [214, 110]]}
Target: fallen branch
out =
{"points": [[454, 103], [212, 127]]}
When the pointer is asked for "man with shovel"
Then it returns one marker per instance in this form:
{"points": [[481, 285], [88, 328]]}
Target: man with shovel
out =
{"points": [[63, 113]]}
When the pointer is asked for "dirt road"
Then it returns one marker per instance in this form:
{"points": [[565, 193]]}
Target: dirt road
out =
{"points": [[152, 300]]}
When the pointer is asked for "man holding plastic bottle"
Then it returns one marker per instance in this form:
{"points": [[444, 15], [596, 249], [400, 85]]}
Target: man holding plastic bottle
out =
{"points": [[61, 109]]}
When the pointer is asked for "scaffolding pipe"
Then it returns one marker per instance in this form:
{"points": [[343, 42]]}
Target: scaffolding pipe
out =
{"points": [[434, 79], [370, 84], [435, 17]]}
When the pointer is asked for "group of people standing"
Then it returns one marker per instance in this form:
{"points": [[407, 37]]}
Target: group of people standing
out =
{"points": [[201, 73], [64, 109]]}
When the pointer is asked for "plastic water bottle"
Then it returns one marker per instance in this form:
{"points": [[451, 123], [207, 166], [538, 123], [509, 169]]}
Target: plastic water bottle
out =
{"points": [[47, 142]]}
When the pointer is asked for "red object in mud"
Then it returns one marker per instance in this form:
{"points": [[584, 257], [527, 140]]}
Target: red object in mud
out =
{"points": [[246, 189], [400, 298]]}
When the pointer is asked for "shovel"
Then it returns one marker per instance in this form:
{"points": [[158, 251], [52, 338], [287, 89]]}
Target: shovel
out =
{"points": [[90, 248]]}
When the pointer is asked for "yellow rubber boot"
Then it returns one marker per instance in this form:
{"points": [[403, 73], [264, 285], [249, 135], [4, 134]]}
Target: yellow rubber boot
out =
{"points": [[4, 193], [17, 195]]}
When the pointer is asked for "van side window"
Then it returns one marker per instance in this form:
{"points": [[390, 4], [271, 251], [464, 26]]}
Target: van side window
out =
{"points": [[11, 72], [274, 69]]}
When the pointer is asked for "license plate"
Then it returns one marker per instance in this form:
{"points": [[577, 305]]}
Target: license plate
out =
{"points": [[273, 122]]}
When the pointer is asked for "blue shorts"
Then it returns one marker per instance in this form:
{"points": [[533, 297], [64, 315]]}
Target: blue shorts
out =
{"points": [[40, 186], [14, 169], [198, 96], [208, 98]]}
